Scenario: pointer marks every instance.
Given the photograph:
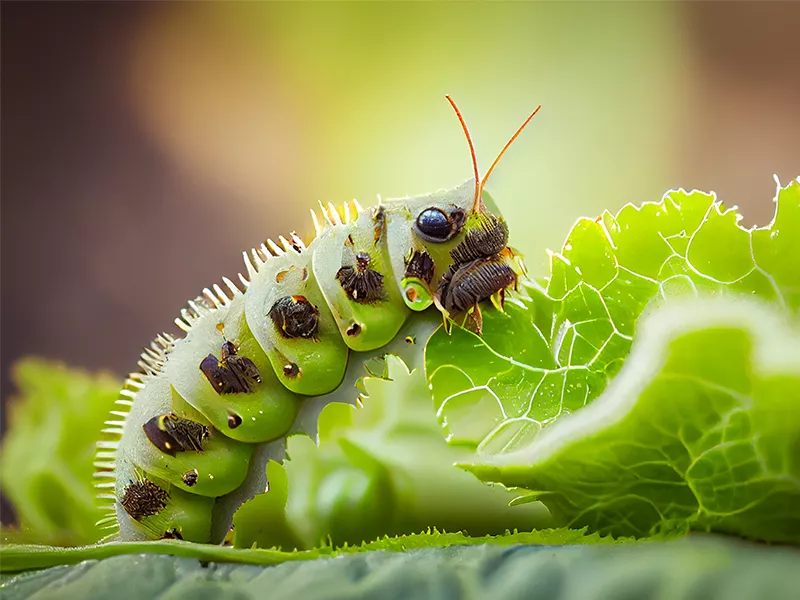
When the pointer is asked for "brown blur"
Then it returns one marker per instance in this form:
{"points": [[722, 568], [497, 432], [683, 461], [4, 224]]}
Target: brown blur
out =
{"points": [[145, 145]]}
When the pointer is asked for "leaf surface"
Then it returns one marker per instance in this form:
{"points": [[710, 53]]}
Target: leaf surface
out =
{"points": [[684, 569]]}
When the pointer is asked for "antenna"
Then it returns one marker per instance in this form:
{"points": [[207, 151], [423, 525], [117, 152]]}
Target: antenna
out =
{"points": [[506, 147], [478, 203]]}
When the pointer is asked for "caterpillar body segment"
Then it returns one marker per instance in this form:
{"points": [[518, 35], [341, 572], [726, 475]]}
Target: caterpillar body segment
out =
{"points": [[260, 412], [149, 507], [216, 469], [207, 412], [367, 306], [300, 335]]}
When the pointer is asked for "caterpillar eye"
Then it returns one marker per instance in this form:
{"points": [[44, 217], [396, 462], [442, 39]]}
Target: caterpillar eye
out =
{"points": [[433, 225]]}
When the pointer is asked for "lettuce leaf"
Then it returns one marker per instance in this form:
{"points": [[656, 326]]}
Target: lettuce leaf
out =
{"points": [[673, 451], [47, 453]]}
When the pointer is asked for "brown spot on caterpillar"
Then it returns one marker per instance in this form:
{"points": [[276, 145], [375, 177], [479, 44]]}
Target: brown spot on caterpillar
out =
{"points": [[234, 421], [419, 264], [362, 284], [487, 238], [463, 286], [379, 218], [172, 534], [295, 316], [411, 294], [232, 374], [353, 330], [143, 498], [171, 433], [291, 370], [189, 478]]}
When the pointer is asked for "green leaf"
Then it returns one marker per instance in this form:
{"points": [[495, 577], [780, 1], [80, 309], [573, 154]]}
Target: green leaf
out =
{"points": [[669, 451], [48, 450], [695, 568], [380, 469]]}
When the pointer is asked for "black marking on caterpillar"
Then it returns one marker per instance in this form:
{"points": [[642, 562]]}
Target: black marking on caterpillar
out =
{"points": [[488, 239], [297, 244], [463, 286], [362, 284], [190, 478], [232, 374], [143, 499], [172, 534], [295, 317], [291, 370], [353, 330], [419, 264], [234, 421], [411, 339], [171, 434]]}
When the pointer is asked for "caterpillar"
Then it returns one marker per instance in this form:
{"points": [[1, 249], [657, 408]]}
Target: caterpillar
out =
{"points": [[199, 421]]}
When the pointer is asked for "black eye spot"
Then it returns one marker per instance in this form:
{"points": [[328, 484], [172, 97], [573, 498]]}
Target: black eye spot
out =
{"points": [[234, 421], [434, 226]]}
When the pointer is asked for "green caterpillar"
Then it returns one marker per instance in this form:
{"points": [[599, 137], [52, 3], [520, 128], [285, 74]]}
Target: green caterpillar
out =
{"points": [[200, 420]]}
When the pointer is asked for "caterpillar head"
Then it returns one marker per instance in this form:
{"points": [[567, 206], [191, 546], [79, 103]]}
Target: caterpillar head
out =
{"points": [[457, 243]]}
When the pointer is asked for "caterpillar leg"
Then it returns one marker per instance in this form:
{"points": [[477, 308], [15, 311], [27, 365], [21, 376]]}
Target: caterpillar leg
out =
{"points": [[476, 317], [499, 299]]}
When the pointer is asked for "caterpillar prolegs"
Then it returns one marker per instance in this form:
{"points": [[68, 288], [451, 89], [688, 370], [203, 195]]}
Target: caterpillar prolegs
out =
{"points": [[199, 421]]}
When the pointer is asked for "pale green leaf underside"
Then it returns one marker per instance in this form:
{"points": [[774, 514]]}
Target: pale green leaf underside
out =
{"points": [[555, 352]]}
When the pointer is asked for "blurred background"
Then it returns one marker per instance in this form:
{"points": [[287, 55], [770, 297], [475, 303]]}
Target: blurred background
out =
{"points": [[145, 145]]}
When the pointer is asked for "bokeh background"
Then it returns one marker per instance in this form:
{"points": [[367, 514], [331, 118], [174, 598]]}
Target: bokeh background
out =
{"points": [[145, 145]]}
